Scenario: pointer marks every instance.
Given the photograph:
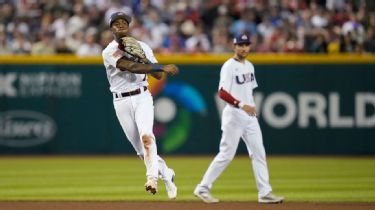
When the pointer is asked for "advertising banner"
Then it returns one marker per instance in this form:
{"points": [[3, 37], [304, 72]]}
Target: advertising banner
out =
{"points": [[304, 109]]}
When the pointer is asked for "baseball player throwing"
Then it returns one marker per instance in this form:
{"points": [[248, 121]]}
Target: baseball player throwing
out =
{"points": [[128, 62], [239, 120]]}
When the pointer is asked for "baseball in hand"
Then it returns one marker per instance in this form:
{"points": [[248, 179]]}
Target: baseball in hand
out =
{"points": [[171, 69]]}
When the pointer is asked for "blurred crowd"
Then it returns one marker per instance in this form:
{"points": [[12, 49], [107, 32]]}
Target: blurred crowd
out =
{"points": [[80, 27]]}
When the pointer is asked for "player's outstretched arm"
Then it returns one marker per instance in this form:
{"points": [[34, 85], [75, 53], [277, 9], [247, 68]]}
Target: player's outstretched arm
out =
{"points": [[157, 75], [140, 68]]}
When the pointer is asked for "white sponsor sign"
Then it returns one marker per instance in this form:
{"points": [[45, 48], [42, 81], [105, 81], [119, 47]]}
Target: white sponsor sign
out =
{"points": [[24, 128], [39, 84], [313, 109]]}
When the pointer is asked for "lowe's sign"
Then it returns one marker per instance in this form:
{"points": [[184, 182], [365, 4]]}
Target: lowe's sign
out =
{"points": [[23, 128]]}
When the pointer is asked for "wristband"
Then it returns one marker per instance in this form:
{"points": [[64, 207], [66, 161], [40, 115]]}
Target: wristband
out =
{"points": [[240, 105], [157, 67]]}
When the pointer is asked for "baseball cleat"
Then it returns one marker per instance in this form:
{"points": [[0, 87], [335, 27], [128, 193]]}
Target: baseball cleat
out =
{"points": [[170, 186], [205, 195], [151, 186], [271, 199]]}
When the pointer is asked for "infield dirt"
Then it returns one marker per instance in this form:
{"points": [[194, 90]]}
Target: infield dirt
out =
{"points": [[114, 205]]}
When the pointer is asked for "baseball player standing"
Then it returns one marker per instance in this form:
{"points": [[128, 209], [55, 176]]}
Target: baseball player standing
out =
{"points": [[239, 120], [133, 103]]}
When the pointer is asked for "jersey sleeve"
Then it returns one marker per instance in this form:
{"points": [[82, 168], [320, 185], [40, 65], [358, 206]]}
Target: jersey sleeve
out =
{"points": [[225, 78], [111, 56], [254, 83]]}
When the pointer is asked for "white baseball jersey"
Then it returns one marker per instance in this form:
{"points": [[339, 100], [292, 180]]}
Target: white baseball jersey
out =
{"points": [[136, 112], [238, 79], [124, 81]]}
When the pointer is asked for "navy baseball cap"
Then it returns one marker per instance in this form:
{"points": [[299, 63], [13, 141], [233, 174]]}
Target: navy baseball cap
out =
{"points": [[242, 39], [119, 15]]}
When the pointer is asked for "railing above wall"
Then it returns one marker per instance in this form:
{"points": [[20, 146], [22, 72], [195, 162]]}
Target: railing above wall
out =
{"points": [[202, 59]]}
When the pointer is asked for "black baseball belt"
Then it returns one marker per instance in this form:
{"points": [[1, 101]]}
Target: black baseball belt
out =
{"points": [[131, 93]]}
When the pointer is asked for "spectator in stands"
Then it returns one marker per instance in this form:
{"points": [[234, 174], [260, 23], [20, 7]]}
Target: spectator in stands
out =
{"points": [[61, 47], [265, 28], [220, 40], [291, 45], [369, 44], [139, 31], [246, 24], [90, 47], [333, 46], [20, 25], [45, 46], [223, 20], [275, 26], [354, 27], [198, 43], [19, 44], [4, 44], [157, 29], [174, 42], [79, 20], [74, 41], [60, 25], [347, 44], [7, 12], [319, 44]]}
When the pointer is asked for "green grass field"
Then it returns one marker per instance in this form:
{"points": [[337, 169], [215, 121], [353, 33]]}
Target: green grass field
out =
{"points": [[311, 179]]}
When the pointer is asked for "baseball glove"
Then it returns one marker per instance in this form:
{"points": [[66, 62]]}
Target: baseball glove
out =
{"points": [[133, 50]]}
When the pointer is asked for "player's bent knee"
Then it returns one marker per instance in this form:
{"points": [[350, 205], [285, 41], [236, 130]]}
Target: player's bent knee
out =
{"points": [[147, 141], [224, 157]]}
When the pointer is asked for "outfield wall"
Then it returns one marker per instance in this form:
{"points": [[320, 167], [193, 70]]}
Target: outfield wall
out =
{"points": [[308, 105]]}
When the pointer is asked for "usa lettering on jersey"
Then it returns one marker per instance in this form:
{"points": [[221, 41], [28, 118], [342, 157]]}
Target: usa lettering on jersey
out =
{"points": [[248, 77]]}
